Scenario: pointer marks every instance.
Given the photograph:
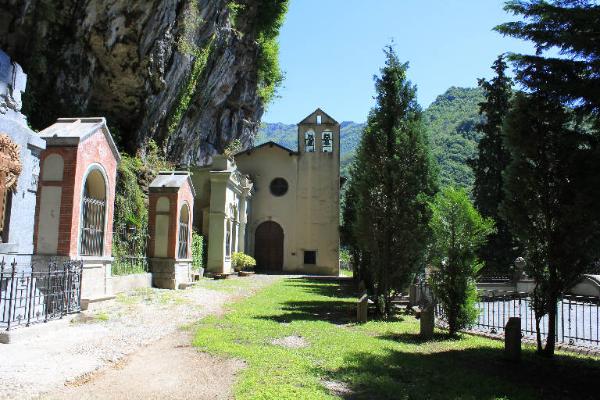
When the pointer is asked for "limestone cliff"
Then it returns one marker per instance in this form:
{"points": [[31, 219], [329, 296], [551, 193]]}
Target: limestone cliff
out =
{"points": [[182, 72]]}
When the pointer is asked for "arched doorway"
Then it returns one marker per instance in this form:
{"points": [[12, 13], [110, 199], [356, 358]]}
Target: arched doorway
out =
{"points": [[93, 209], [268, 247]]}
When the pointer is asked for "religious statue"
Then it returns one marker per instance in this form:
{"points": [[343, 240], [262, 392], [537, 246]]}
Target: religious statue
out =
{"points": [[10, 169]]}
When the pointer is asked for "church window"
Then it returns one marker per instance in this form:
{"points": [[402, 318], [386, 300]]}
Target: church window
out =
{"points": [[327, 141], [279, 187], [309, 142], [310, 257]]}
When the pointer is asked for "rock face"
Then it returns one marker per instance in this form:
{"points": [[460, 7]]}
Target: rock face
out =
{"points": [[177, 71]]}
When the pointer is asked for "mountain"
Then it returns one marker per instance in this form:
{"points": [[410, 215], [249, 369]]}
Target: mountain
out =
{"points": [[191, 74], [450, 122]]}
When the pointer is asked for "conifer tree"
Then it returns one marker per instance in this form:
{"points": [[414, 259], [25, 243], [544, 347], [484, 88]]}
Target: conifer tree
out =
{"points": [[392, 180], [550, 203], [571, 26], [500, 250]]}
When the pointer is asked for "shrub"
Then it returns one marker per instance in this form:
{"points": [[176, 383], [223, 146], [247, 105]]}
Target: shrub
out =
{"points": [[458, 232], [197, 251], [241, 261]]}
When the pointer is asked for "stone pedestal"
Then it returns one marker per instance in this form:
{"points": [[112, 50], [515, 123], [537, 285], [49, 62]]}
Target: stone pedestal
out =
{"points": [[362, 309], [427, 323], [171, 274], [512, 339]]}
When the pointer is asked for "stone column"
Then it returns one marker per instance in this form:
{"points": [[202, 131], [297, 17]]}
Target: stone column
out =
{"points": [[512, 339]]}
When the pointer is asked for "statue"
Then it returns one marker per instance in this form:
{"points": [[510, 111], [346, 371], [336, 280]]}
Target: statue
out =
{"points": [[10, 169]]}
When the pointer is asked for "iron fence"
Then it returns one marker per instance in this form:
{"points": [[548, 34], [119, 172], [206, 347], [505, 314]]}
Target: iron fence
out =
{"points": [[130, 245], [92, 227], [577, 319], [182, 250], [30, 296]]}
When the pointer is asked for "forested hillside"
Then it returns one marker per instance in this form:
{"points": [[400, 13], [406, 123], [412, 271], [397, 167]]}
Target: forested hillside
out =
{"points": [[450, 121]]}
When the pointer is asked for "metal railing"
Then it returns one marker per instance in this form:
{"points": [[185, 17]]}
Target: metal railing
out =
{"points": [[30, 296], [184, 234], [577, 319], [92, 227], [130, 245]]}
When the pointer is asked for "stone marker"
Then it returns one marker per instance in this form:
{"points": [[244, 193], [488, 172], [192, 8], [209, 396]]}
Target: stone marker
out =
{"points": [[427, 322], [512, 339], [362, 309]]}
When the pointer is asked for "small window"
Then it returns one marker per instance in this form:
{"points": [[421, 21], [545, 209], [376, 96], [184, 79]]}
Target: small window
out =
{"points": [[310, 257], [327, 141], [279, 187], [319, 120], [309, 142]]}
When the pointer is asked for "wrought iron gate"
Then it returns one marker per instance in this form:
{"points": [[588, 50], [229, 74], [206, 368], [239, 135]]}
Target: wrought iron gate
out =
{"points": [[28, 297]]}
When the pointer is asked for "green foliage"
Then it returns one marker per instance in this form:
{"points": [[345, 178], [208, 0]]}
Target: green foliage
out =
{"points": [[571, 26], [134, 174], [234, 147], [269, 19], [190, 24], [492, 159], [552, 186], [235, 9], [197, 251], [458, 231], [242, 262], [391, 181], [187, 91]]}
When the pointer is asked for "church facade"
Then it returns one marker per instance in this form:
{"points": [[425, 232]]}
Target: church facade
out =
{"points": [[289, 219]]}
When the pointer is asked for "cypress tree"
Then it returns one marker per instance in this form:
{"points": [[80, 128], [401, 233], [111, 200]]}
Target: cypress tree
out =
{"points": [[500, 250], [551, 200], [392, 180], [571, 26]]}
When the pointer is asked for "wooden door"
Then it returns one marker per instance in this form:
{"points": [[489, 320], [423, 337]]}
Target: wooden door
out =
{"points": [[268, 246]]}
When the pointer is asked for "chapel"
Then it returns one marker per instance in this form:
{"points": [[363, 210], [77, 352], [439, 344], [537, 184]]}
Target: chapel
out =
{"points": [[279, 205]]}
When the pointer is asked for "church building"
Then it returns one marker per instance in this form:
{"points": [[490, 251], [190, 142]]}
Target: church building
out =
{"points": [[276, 204]]}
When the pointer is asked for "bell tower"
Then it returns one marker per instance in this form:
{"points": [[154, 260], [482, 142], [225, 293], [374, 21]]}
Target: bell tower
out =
{"points": [[318, 194]]}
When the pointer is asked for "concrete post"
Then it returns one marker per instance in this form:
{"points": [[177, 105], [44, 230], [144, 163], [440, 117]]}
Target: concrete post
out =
{"points": [[427, 322], [512, 339], [362, 309]]}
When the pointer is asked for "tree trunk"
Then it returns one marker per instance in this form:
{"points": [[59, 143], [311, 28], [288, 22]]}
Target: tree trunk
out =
{"points": [[538, 333], [551, 340]]}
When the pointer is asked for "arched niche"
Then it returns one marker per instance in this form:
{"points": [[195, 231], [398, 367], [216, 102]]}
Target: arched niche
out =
{"points": [[184, 232], [53, 168], [161, 237]]}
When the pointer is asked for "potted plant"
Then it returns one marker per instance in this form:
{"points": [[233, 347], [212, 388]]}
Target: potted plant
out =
{"points": [[243, 264]]}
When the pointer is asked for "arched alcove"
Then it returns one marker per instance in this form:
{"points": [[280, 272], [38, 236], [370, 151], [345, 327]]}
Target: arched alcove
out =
{"points": [[53, 168], [184, 232], [93, 211], [161, 227]]}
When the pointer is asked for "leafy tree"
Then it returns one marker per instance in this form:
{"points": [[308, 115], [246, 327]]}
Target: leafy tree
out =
{"points": [[392, 180], [551, 191], [458, 231], [571, 26], [493, 158]]}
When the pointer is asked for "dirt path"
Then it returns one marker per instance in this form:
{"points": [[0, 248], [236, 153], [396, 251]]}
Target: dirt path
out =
{"points": [[138, 335], [168, 369]]}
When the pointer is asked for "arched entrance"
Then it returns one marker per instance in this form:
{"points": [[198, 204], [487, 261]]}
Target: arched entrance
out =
{"points": [[268, 247], [93, 209]]}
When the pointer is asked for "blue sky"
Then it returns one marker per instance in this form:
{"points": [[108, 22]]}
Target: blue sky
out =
{"points": [[330, 50]]}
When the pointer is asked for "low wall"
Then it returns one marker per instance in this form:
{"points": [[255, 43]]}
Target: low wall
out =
{"points": [[125, 283]]}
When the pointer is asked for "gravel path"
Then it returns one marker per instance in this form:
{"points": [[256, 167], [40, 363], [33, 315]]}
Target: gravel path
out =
{"points": [[66, 352]]}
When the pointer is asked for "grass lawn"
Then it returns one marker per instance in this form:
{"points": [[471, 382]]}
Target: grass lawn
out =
{"points": [[377, 360]]}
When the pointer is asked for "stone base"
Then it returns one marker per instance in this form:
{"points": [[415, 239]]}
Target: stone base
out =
{"points": [[30, 333], [168, 273], [95, 278]]}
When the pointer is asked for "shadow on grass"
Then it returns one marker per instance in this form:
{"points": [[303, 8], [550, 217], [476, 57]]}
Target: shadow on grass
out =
{"points": [[415, 338], [479, 373]]}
